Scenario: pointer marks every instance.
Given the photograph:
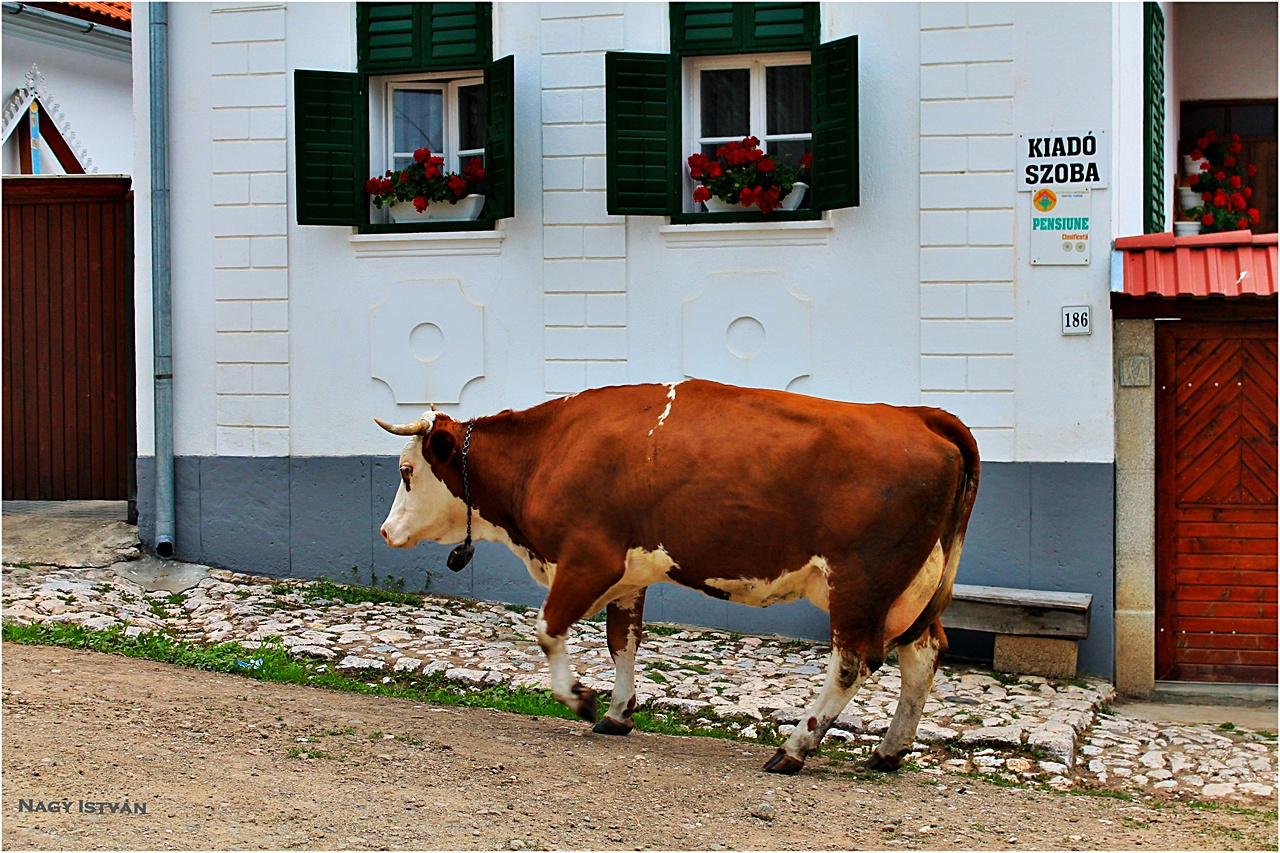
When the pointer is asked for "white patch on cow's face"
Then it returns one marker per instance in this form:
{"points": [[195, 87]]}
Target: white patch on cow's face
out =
{"points": [[671, 398], [908, 607], [809, 581]]}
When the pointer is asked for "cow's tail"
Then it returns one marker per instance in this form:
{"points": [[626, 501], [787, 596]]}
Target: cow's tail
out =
{"points": [[951, 428]]}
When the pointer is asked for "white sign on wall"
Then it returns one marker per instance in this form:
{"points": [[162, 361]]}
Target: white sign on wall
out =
{"points": [[1060, 226], [1076, 159]]}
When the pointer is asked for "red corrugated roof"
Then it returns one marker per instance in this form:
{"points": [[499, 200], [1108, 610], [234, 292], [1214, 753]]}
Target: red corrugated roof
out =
{"points": [[1235, 263], [119, 11]]}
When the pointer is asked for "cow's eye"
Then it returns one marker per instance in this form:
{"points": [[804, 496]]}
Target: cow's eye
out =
{"points": [[406, 472]]}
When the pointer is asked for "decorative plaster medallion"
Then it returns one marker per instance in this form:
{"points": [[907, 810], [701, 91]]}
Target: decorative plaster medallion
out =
{"points": [[426, 341], [747, 328]]}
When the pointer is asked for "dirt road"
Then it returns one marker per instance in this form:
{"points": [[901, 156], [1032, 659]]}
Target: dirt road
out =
{"points": [[228, 763]]}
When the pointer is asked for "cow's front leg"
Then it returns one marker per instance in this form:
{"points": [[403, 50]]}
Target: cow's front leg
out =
{"points": [[918, 662], [581, 582], [625, 622]]}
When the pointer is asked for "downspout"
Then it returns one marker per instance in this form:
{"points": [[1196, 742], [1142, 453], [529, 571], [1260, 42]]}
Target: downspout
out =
{"points": [[162, 334]]}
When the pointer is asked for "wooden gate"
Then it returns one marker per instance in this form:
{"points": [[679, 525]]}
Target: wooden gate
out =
{"points": [[69, 426], [1216, 502]]}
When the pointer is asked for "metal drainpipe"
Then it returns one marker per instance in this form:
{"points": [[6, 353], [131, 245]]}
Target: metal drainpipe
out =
{"points": [[162, 334]]}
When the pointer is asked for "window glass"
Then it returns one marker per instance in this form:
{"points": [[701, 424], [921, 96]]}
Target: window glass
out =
{"points": [[418, 122], [726, 102], [787, 99], [470, 117], [1253, 119]]}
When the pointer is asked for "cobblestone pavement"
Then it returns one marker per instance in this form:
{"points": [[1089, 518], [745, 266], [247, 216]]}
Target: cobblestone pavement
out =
{"points": [[1025, 729]]}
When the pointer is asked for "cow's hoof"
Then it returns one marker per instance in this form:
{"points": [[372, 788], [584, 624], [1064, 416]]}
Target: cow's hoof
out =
{"points": [[783, 763], [884, 764], [588, 703], [610, 726]]}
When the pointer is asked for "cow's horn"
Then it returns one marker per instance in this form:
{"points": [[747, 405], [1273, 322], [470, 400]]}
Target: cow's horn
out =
{"points": [[418, 427]]}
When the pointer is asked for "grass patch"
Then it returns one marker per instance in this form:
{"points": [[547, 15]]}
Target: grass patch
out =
{"points": [[664, 630], [517, 608], [1227, 727], [355, 594], [17, 565]]}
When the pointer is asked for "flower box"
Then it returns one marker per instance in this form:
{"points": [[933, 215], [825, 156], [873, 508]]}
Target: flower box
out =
{"points": [[1188, 198], [468, 207], [1186, 229], [1191, 165], [790, 201]]}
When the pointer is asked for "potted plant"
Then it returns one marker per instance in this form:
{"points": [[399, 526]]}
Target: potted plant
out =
{"points": [[423, 190], [742, 176], [1220, 182], [1190, 225]]}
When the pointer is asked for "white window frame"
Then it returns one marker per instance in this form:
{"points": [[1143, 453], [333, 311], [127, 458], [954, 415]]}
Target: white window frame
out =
{"points": [[758, 114], [382, 118]]}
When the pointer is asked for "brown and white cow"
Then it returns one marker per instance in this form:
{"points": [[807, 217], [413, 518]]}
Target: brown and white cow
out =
{"points": [[751, 495]]}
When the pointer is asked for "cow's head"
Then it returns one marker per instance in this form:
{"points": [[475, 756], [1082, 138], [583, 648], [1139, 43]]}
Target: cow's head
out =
{"points": [[424, 507]]}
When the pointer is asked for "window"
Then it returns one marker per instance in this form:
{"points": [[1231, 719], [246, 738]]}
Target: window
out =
{"points": [[735, 69], [425, 79], [767, 96]]}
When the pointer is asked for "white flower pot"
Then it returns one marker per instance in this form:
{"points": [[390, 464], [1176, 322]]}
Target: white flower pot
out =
{"points": [[790, 201], [468, 207], [1189, 166], [1186, 229], [1188, 198]]}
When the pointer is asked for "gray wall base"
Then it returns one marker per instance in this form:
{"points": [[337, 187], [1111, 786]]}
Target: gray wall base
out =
{"points": [[1036, 525]]}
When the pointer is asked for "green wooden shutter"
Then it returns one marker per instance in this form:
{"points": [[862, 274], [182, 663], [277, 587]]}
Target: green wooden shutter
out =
{"points": [[1153, 118], [457, 35], [835, 124], [329, 131], [500, 138], [642, 126], [388, 36], [406, 37], [699, 29], [776, 26], [706, 28]]}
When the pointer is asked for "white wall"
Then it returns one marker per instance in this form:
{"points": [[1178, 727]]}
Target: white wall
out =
{"points": [[564, 295], [94, 91], [1209, 40]]}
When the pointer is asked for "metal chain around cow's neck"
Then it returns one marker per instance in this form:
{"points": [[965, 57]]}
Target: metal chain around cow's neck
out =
{"points": [[466, 481]]}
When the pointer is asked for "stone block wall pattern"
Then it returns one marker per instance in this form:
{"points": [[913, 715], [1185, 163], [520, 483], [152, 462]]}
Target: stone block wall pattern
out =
{"points": [[584, 249], [967, 193], [249, 193], [1047, 526]]}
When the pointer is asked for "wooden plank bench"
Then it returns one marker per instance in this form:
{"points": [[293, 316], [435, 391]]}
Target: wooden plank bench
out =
{"points": [[1037, 632]]}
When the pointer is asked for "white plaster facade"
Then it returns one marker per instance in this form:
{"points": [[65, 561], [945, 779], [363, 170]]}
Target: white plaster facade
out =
{"points": [[922, 294]]}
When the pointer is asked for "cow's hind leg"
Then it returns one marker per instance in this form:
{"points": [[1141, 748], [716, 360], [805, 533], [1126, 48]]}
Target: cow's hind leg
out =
{"points": [[918, 662], [624, 623], [846, 670]]}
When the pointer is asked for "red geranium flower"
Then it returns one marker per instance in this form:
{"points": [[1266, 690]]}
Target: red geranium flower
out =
{"points": [[766, 165], [1251, 170], [715, 170], [1242, 223], [474, 170], [747, 196], [1204, 165], [1235, 182], [1206, 196], [701, 193], [421, 155], [1234, 148], [420, 204], [1254, 214], [1219, 176], [458, 185], [1210, 135], [1192, 180], [1235, 137], [1228, 161], [1207, 219], [1247, 192], [1195, 154], [373, 186], [1202, 143]]}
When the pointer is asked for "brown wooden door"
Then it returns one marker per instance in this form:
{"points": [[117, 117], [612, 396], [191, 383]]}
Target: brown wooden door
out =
{"points": [[69, 429], [1216, 502]]}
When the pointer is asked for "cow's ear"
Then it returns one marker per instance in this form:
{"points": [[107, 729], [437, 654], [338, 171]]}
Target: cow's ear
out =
{"points": [[440, 444]]}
